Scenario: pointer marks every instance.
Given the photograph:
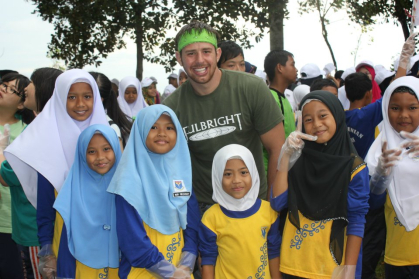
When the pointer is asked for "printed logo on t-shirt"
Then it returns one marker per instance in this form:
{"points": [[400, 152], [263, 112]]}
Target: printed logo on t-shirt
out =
{"points": [[180, 189], [213, 128], [263, 229], [354, 133]]}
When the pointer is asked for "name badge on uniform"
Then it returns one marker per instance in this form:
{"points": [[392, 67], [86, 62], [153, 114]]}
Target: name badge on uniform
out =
{"points": [[180, 189]]}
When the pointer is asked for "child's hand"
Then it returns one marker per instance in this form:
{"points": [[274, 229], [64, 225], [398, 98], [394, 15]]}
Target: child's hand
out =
{"points": [[387, 160], [181, 273], [413, 144], [407, 51], [293, 145], [4, 138], [344, 272]]}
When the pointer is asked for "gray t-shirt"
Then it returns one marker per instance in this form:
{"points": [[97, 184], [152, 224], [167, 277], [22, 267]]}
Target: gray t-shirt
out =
{"points": [[239, 110]]}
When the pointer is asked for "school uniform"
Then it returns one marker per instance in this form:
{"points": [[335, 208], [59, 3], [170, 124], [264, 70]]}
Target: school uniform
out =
{"points": [[241, 231], [308, 252], [401, 202], [327, 200], [157, 213], [43, 154]]}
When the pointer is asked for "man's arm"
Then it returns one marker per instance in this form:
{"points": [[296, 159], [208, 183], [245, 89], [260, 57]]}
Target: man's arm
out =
{"points": [[273, 141]]}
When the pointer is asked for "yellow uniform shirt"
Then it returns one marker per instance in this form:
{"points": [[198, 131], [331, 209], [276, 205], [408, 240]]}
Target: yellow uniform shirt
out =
{"points": [[242, 242], [169, 245], [402, 247]]}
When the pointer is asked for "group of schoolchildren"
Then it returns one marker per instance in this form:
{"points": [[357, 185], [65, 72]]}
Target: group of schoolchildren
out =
{"points": [[98, 212]]}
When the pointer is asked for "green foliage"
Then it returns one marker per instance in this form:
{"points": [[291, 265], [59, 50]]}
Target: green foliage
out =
{"points": [[367, 12], [88, 30]]}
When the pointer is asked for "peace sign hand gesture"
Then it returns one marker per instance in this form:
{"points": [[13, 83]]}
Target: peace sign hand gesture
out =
{"points": [[291, 150]]}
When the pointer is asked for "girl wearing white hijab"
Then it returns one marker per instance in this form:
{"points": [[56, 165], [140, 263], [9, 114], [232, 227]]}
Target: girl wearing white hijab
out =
{"points": [[130, 102], [44, 153], [393, 161], [181, 77], [240, 228]]}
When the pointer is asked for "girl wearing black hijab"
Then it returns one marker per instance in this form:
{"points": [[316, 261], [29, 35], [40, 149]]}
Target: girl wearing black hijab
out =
{"points": [[325, 186]]}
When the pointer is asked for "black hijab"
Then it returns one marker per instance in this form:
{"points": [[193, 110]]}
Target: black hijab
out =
{"points": [[319, 180]]}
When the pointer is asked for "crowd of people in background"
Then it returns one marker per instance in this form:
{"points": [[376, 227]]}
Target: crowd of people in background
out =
{"points": [[230, 172]]}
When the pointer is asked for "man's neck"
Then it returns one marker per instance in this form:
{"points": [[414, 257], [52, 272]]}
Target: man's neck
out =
{"points": [[356, 105], [209, 87], [279, 85]]}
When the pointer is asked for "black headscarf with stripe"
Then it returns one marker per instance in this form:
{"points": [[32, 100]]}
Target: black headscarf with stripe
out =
{"points": [[319, 180]]}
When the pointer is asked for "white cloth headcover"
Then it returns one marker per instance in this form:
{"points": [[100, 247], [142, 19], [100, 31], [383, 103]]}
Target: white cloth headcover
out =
{"points": [[130, 109], [218, 165], [299, 92], [48, 144], [403, 189]]}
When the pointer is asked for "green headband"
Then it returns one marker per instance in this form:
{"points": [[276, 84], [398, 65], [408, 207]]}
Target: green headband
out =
{"points": [[197, 37]]}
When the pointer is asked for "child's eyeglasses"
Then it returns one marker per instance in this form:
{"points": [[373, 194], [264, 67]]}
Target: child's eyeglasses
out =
{"points": [[8, 89]]}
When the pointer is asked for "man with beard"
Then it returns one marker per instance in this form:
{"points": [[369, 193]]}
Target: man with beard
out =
{"points": [[217, 107]]}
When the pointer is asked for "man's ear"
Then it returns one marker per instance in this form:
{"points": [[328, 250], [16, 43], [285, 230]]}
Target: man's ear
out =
{"points": [[218, 52], [179, 58], [279, 68]]}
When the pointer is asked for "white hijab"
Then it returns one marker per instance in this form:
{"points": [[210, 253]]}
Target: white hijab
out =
{"points": [[130, 109], [48, 144], [403, 189], [234, 151]]}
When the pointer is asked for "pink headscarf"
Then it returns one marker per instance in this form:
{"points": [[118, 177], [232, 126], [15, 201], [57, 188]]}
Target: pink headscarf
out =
{"points": [[376, 91]]}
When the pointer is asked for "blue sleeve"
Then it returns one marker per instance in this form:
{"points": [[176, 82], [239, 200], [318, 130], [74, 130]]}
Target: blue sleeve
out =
{"points": [[279, 202], [45, 213], [358, 195], [190, 234], [377, 201], [66, 263], [374, 112], [274, 240], [207, 245], [132, 237]]}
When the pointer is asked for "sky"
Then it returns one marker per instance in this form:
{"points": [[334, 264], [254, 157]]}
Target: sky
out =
{"points": [[25, 37]]}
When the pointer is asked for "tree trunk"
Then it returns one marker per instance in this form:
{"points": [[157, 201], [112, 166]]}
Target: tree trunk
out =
{"points": [[326, 39], [139, 41], [276, 19], [402, 18]]}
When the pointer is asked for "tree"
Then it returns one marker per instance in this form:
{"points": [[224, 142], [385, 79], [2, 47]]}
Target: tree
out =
{"points": [[365, 12], [88, 30], [322, 7], [277, 12]]}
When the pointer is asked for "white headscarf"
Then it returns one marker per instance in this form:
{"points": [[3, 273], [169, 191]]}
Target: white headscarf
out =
{"points": [[48, 144], [299, 92], [130, 109], [234, 151], [181, 70], [403, 189]]}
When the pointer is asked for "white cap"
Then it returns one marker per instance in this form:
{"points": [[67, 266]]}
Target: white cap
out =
{"points": [[299, 92], [378, 68], [364, 63], [146, 82], [173, 75], [328, 69], [381, 75], [347, 72], [154, 79], [311, 71]]}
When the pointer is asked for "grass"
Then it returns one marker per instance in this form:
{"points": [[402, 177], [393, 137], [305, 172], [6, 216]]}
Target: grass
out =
{"points": [[379, 271]]}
